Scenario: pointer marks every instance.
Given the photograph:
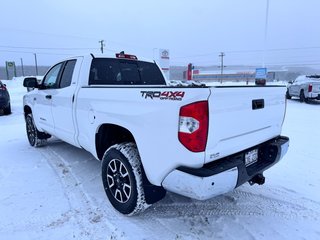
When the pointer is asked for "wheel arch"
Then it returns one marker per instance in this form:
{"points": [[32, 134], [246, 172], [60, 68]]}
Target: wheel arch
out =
{"points": [[110, 134], [27, 110]]}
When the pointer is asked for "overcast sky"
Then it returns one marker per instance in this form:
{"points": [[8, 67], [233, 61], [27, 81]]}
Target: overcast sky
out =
{"points": [[193, 31]]}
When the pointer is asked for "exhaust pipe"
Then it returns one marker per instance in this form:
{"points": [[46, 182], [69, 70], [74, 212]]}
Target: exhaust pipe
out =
{"points": [[258, 179]]}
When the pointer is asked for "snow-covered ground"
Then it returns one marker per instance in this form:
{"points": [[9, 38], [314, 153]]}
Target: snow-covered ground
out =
{"points": [[55, 192]]}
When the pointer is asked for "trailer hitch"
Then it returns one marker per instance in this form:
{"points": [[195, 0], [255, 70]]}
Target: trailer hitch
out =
{"points": [[258, 179]]}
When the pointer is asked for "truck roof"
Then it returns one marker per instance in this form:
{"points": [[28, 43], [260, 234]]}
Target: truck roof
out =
{"points": [[90, 56]]}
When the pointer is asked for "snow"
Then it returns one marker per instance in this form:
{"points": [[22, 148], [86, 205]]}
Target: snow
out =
{"points": [[56, 192]]}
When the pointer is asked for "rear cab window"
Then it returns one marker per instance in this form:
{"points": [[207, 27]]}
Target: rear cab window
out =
{"points": [[110, 71]]}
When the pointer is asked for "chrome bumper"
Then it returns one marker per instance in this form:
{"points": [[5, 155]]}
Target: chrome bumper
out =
{"points": [[203, 186]]}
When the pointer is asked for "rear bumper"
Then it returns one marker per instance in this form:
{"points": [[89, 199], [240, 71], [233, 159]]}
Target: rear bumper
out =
{"points": [[222, 176], [4, 102], [314, 95]]}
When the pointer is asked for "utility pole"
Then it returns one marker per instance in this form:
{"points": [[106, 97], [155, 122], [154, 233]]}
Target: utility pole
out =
{"points": [[22, 67], [7, 72], [35, 60], [221, 66], [101, 45]]}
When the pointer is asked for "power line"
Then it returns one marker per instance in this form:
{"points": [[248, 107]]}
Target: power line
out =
{"points": [[247, 51], [74, 36], [44, 53], [46, 48], [50, 34]]}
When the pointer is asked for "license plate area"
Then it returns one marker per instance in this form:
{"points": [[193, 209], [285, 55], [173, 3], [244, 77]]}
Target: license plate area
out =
{"points": [[251, 157]]}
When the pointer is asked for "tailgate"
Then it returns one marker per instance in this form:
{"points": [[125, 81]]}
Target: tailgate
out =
{"points": [[316, 87], [242, 117]]}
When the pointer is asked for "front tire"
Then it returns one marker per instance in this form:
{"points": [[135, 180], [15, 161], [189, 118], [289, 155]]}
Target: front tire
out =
{"points": [[122, 178], [288, 95], [35, 137]]}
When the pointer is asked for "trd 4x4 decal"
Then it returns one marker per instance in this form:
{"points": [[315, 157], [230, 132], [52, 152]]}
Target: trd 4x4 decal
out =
{"points": [[166, 95]]}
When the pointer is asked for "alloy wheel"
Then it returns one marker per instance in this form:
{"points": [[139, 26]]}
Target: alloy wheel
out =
{"points": [[31, 132], [118, 180]]}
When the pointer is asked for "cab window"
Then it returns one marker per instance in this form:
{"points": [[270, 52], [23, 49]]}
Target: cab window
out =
{"points": [[67, 73], [51, 79]]}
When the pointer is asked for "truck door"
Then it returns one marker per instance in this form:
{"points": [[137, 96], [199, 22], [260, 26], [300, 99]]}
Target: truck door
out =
{"points": [[295, 88], [43, 100], [63, 101]]}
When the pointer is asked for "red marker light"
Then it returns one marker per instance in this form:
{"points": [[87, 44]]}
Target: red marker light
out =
{"points": [[126, 56]]}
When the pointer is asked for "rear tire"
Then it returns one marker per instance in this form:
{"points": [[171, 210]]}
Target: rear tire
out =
{"points": [[302, 97], [288, 95], [122, 178], [35, 137]]}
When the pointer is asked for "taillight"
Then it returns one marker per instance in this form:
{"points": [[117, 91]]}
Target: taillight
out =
{"points": [[310, 88], [193, 126]]}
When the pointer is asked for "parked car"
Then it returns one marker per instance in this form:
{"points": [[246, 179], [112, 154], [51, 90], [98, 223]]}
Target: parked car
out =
{"points": [[153, 135], [305, 87], [4, 99]]}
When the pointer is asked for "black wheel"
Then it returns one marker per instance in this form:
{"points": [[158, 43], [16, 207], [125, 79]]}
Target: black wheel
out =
{"points": [[7, 110], [288, 95], [302, 97], [122, 178], [35, 137]]}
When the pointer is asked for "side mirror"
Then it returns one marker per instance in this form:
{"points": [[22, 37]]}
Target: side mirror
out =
{"points": [[30, 82], [290, 82]]}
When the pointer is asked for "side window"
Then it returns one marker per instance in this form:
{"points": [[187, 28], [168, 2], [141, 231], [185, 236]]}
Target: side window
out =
{"points": [[51, 79], [105, 71], [66, 76], [150, 74]]}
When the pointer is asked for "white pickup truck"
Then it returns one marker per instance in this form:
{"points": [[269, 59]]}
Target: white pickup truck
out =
{"points": [[305, 87], [152, 136]]}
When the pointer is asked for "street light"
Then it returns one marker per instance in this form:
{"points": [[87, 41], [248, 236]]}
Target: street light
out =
{"points": [[265, 34]]}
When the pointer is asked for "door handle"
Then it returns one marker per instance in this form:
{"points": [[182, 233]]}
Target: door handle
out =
{"points": [[48, 96], [257, 104]]}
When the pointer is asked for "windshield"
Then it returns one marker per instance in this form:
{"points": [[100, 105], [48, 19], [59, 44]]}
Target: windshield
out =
{"points": [[314, 77]]}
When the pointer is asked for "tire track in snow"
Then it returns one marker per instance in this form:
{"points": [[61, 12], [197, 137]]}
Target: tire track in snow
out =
{"points": [[107, 215], [237, 203], [241, 203], [79, 202]]}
